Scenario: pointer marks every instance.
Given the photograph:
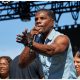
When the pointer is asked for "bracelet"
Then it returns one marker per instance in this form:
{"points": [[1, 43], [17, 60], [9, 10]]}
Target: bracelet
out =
{"points": [[31, 51], [30, 45], [30, 42]]}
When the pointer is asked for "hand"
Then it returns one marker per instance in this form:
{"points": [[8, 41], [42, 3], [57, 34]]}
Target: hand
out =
{"points": [[36, 30], [22, 38]]}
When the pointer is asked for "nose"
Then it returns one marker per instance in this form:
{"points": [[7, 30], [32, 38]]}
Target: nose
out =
{"points": [[75, 63]]}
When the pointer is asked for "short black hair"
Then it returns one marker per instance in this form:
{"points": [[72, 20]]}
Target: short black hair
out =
{"points": [[50, 13], [7, 58]]}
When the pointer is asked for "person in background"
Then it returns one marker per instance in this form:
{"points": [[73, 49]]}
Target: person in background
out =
{"points": [[77, 63], [32, 71], [51, 47], [4, 67]]}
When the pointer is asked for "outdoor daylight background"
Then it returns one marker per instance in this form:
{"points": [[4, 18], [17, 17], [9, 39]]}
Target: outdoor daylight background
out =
{"points": [[10, 28]]}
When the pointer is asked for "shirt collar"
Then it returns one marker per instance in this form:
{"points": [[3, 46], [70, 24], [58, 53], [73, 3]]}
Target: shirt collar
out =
{"points": [[51, 35]]}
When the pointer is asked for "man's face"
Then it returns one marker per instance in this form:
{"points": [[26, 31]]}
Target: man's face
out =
{"points": [[4, 66], [43, 21], [77, 64]]}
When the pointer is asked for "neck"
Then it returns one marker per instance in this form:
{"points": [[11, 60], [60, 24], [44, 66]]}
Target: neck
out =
{"points": [[44, 35]]}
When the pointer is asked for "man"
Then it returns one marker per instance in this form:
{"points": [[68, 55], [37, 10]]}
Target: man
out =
{"points": [[77, 63], [4, 67], [51, 47]]}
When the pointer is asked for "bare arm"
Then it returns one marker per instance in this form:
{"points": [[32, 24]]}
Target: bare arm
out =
{"points": [[58, 46], [26, 57]]}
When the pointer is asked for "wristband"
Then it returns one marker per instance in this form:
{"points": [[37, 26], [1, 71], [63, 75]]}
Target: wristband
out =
{"points": [[31, 50], [30, 45], [30, 42]]}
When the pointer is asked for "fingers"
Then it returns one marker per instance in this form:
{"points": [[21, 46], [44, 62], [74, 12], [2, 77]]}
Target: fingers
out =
{"points": [[19, 35], [19, 38], [25, 32], [22, 38], [36, 30]]}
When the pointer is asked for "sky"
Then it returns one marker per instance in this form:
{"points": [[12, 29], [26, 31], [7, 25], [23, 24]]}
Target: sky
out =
{"points": [[10, 28]]}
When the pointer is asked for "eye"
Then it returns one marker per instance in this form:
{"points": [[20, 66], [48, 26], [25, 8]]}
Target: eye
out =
{"points": [[78, 61], [36, 19], [42, 18]]}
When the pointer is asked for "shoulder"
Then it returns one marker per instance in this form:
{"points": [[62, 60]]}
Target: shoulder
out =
{"points": [[62, 40], [62, 37]]}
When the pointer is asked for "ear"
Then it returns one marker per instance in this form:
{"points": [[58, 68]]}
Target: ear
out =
{"points": [[52, 22]]}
